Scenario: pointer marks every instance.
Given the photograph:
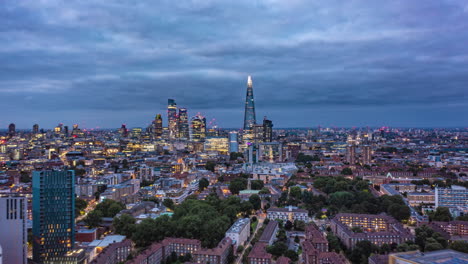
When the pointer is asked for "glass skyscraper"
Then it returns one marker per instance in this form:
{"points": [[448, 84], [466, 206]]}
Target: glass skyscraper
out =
{"points": [[233, 141], [249, 116], [198, 128], [53, 213], [172, 119], [183, 123]]}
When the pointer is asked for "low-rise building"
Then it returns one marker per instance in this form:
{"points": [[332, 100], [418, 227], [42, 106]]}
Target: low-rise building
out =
{"points": [[269, 233], [378, 229], [217, 255], [288, 213], [259, 255], [239, 232], [438, 256]]}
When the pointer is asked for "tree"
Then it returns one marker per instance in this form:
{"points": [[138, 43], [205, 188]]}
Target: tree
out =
{"points": [[124, 225], [202, 184], [399, 212], [93, 219], [210, 165], [240, 248], [333, 242], [277, 249], [442, 214], [299, 225], [296, 239], [168, 203], [288, 225], [237, 185], [295, 192], [256, 184], [25, 177], [291, 254], [256, 202], [346, 171], [80, 205], [264, 190], [109, 207], [459, 245]]}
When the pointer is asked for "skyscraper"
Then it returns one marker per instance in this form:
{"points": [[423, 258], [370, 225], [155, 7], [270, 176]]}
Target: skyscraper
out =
{"points": [[53, 213], [233, 141], [11, 129], [183, 124], [249, 115], [267, 130], [172, 118], [157, 126], [35, 129], [123, 131], [13, 230], [198, 128]]}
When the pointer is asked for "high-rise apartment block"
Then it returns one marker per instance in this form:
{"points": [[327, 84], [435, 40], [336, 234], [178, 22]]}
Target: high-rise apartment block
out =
{"points": [[53, 213], [13, 230]]}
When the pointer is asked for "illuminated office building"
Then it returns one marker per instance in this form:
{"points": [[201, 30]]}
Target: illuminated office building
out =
{"points": [[198, 128], [172, 118], [183, 124], [219, 144], [267, 130], [233, 141], [53, 213], [157, 126], [123, 131]]}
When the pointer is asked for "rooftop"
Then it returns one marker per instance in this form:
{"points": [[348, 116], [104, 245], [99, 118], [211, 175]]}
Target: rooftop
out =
{"points": [[239, 225], [445, 256]]}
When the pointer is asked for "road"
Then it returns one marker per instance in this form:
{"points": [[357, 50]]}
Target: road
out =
{"points": [[91, 205], [260, 219]]}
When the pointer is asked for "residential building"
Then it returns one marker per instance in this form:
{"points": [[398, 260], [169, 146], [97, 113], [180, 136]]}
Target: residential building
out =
{"points": [[259, 255], [378, 229], [438, 256], [451, 197], [288, 213], [269, 233], [239, 232], [13, 229], [53, 213], [217, 255], [114, 253]]}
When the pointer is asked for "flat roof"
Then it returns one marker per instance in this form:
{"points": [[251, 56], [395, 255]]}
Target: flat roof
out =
{"points": [[445, 256]]}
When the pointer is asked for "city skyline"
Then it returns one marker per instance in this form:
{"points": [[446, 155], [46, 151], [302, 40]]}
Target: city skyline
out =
{"points": [[319, 63]]}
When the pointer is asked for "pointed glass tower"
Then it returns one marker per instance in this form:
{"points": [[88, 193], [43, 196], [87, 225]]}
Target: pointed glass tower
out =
{"points": [[249, 117]]}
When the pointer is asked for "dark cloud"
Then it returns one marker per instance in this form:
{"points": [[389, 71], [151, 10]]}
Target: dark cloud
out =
{"points": [[347, 63]]}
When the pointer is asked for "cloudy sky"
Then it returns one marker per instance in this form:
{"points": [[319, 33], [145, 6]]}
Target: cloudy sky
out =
{"points": [[314, 62]]}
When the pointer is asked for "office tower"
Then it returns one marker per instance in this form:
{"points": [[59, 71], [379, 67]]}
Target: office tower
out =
{"points": [[172, 118], [136, 132], [123, 131], [249, 115], [65, 130], [11, 129], [233, 141], [53, 213], [198, 128], [183, 124], [13, 230], [219, 144], [35, 129], [267, 130], [351, 154], [366, 154], [257, 133], [157, 126]]}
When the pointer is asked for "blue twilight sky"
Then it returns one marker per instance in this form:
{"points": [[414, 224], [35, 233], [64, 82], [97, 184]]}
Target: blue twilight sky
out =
{"points": [[102, 63]]}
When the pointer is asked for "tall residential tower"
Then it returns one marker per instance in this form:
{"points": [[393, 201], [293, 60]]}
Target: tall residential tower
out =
{"points": [[53, 213]]}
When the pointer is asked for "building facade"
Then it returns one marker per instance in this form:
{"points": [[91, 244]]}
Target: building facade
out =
{"points": [[451, 197], [288, 213], [53, 213], [13, 230], [239, 232]]}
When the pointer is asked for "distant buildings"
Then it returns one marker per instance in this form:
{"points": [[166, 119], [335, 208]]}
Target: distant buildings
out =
{"points": [[11, 129], [172, 118], [239, 232], [233, 141], [351, 154], [53, 213], [249, 114], [267, 130], [183, 124], [158, 126], [378, 229], [13, 230], [198, 128]]}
